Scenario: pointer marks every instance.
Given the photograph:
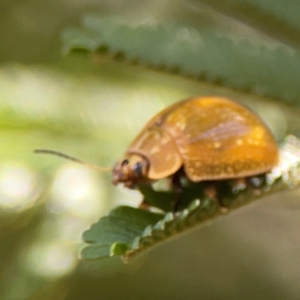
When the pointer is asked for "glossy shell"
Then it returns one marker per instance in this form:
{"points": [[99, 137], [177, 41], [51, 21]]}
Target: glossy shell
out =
{"points": [[212, 138]]}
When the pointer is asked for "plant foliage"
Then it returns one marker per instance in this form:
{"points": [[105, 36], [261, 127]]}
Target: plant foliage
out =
{"points": [[259, 54], [127, 231], [264, 69]]}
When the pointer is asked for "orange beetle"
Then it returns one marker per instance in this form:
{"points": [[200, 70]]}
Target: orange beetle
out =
{"points": [[212, 138]]}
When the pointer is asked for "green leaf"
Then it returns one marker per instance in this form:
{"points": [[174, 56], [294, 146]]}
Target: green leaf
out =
{"points": [[159, 199], [114, 232], [276, 18], [118, 249], [128, 231], [114, 227], [96, 251], [266, 70]]}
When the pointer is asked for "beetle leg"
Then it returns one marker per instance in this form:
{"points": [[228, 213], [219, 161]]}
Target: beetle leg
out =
{"points": [[144, 205], [239, 184], [211, 192], [256, 183], [176, 186]]}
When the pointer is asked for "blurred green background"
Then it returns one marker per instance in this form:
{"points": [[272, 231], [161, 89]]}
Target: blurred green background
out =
{"points": [[92, 107]]}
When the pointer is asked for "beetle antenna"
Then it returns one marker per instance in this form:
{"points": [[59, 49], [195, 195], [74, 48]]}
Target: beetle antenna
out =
{"points": [[68, 157]]}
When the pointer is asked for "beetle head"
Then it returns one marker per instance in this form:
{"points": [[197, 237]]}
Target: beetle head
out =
{"points": [[132, 169]]}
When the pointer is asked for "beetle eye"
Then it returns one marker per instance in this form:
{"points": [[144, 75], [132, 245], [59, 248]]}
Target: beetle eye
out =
{"points": [[138, 170], [124, 162]]}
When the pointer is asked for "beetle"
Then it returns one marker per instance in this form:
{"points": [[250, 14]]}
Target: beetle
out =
{"points": [[205, 138], [209, 138]]}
